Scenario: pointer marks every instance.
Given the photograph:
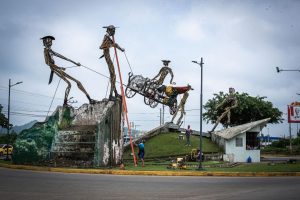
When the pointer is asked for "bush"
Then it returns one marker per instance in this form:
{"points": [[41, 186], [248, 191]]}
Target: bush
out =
{"points": [[25, 152]]}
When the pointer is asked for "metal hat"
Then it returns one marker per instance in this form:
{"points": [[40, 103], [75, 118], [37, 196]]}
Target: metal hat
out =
{"points": [[110, 27], [166, 61], [48, 36]]}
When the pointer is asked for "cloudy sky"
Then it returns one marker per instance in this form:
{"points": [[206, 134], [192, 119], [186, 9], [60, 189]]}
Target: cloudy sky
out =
{"points": [[241, 43]]}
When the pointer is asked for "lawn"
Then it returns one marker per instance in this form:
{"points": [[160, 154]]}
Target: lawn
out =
{"points": [[168, 145], [209, 166]]}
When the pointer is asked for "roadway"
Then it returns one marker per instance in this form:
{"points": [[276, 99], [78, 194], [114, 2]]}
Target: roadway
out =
{"points": [[31, 185]]}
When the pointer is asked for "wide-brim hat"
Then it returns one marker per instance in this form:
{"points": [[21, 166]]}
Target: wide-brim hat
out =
{"points": [[48, 36], [110, 27], [166, 61]]}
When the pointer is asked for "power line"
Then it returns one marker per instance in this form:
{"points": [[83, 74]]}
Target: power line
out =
{"points": [[30, 93]]}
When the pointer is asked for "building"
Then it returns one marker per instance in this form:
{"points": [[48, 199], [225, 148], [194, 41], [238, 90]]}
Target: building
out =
{"points": [[240, 143]]}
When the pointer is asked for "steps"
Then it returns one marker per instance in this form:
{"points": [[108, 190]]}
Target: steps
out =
{"points": [[74, 146]]}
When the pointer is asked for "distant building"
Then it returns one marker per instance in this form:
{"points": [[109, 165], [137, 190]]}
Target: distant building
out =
{"points": [[241, 142]]}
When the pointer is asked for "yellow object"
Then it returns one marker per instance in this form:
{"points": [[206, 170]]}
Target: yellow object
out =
{"points": [[169, 90], [3, 149]]}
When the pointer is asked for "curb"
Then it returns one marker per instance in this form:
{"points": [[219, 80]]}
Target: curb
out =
{"points": [[148, 173]]}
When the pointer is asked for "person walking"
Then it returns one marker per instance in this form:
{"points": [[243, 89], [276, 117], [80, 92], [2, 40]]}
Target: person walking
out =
{"points": [[188, 133], [141, 153]]}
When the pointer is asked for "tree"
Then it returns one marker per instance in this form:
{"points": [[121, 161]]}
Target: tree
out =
{"points": [[3, 119], [249, 109]]}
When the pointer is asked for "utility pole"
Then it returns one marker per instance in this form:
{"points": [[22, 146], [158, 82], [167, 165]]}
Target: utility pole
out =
{"points": [[163, 115], [201, 99], [8, 115]]}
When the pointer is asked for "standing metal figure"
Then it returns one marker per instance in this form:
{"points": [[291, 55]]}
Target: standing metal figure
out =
{"points": [[229, 102], [60, 71], [181, 108], [163, 72], [106, 44]]}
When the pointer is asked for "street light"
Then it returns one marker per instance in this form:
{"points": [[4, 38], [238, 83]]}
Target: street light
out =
{"points": [[293, 70], [201, 66], [8, 113]]}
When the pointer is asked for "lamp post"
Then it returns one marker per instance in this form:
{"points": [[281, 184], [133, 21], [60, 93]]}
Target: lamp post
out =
{"points": [[201, 97], [8, 113], [293, 70]]}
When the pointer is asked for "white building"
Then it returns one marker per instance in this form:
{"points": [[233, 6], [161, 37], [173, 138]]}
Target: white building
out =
{"points": [[240, 142]]}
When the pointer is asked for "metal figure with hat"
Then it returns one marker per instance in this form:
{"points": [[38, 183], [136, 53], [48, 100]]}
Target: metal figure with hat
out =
{"points": [[181, 108], [227, 104], [106, 44], [60, 71], [163, 72]]}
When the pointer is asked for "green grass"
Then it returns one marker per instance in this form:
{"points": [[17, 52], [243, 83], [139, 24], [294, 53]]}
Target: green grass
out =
{"points": [[253, 167], [5, 161], [261, 167], [168, 144]]}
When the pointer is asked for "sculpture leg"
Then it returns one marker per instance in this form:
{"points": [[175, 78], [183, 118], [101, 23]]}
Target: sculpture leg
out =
{"points": [[80, 86], [180, 118], [174, 116], [228, 117], [111, 69], [218, 120]]}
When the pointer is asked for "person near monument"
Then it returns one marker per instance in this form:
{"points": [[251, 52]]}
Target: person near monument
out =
{"points": [[141, 152], [188, 133], [60, 71], [228, 104], [107, 43], [163, 72]]}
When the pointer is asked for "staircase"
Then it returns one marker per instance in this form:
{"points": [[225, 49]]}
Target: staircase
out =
{"points": [[74, 146]]}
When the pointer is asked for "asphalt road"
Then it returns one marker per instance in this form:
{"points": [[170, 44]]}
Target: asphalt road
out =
{"points": [[21, 184]]}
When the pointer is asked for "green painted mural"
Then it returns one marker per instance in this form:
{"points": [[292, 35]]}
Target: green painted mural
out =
{"points": [[89, 136]]}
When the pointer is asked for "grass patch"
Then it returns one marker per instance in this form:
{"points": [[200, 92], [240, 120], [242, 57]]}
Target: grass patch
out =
{"points": [[253, 167], [168, 145], [6, 161]]}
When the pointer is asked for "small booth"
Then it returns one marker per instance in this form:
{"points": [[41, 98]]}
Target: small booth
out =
{"points": [[241, 143]]}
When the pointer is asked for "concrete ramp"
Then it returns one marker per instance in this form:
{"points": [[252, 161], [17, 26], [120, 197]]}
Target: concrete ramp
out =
{"points": [[156, 131]]}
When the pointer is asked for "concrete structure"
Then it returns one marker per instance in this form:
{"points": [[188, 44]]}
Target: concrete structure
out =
{"points": [[240, 142], [89, 136]]}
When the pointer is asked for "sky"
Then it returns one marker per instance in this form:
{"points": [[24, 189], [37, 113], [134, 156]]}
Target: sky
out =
{"points": [[241, 43]]}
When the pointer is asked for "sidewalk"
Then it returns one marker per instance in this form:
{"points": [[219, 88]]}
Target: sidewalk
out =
{"points": [[149, 173]]}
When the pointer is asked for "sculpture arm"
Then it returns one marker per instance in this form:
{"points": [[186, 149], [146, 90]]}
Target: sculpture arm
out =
{"points": [[63, 57], [118, 47], [157, 74], [172, 75]]}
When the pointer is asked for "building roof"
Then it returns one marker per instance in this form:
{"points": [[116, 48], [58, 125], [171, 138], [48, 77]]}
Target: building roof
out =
{"points": [[236, 130]]}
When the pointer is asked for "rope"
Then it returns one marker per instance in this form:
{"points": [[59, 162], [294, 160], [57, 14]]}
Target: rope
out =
{"points": [[53, 97], [128, 62]]}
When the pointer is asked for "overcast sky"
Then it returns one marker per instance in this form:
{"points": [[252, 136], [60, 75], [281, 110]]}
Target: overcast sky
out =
{"points": [[241, 43]]}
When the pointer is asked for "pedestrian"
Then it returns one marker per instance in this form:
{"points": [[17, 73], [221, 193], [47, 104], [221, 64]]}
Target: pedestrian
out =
{"points": [[141, 153], [188, 133]]}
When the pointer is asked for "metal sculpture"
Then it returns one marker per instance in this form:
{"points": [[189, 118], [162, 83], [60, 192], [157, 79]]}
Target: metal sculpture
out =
{"points": [[163, 72], [106, 44], [229, 103], [60, 71], [170, 94], [181, 108], [152, 92]]}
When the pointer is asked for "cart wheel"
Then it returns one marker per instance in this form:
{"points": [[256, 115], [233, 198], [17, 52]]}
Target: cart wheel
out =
{"points": [[153, 101], [129, 92], [146, 100]]}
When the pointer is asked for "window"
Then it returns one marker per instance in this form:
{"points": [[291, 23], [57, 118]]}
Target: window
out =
{"points": [[238, 142], [252, 141]]}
